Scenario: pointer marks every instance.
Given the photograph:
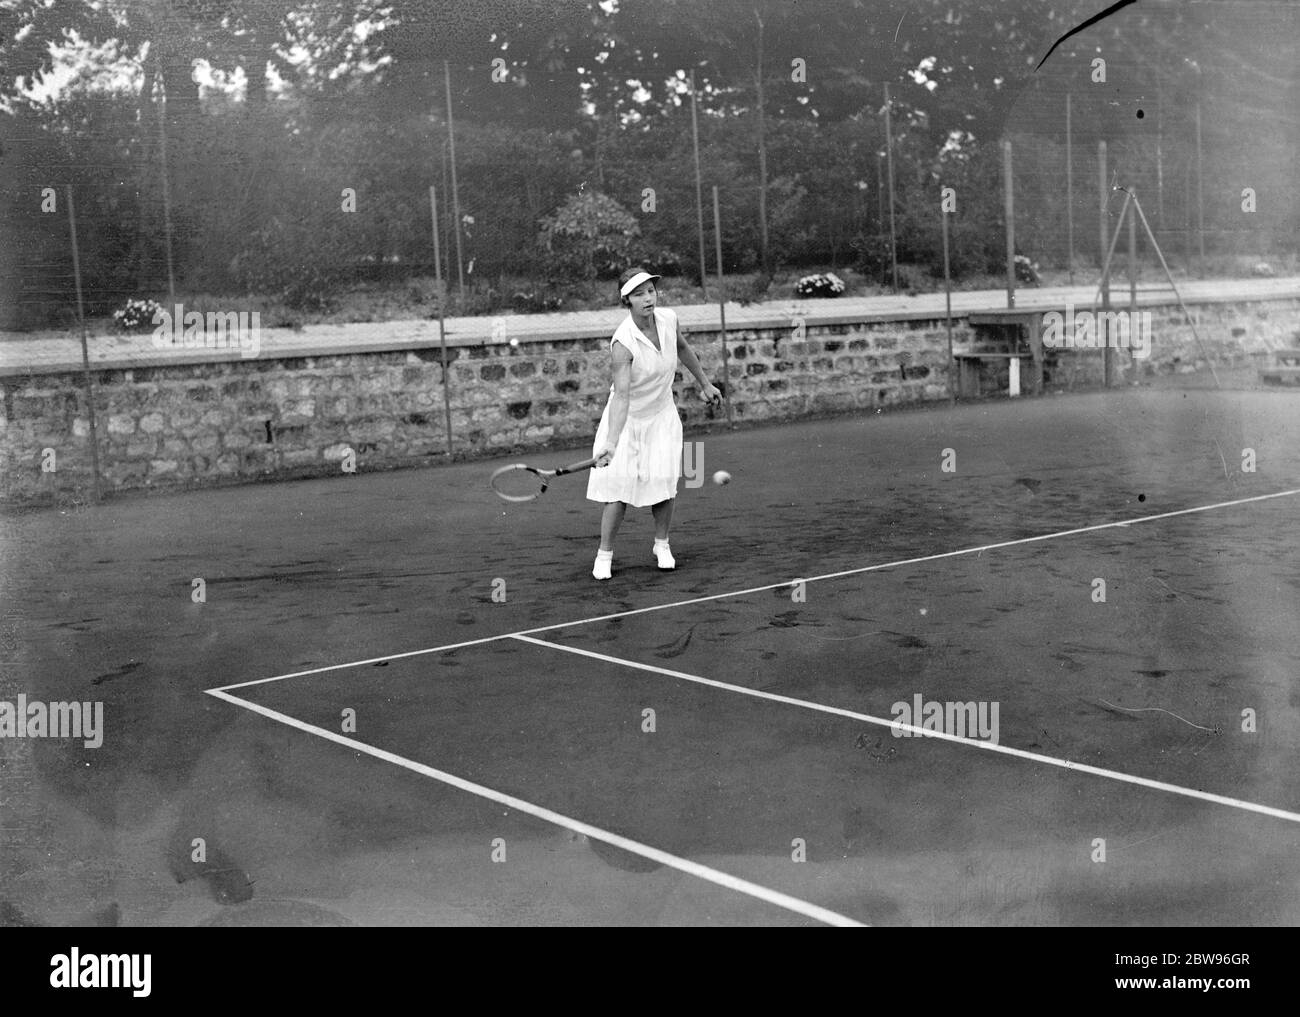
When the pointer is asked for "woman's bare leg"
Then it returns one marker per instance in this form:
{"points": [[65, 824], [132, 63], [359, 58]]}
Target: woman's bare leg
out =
{"points": [[663, 513], [610, 520]]}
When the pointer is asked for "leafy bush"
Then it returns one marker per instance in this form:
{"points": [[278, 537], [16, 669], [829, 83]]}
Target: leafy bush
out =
{"points": [[824, 284], [872, 256], [291, 260], [590, 236], [137, 315], [660, 260], [972, 250], [1026, 270], [914, 279], [531, 302]]}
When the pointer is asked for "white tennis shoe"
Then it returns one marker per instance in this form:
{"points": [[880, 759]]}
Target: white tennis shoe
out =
{"points": [[604, 561], [664, 555]]}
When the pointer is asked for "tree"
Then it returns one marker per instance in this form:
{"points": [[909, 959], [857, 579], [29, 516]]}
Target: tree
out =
{"points": [[591, 236], [512, 61], [746, 51]]}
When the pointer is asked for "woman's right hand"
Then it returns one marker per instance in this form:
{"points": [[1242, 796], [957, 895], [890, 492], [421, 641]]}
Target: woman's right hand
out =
{"points": [[604, 456]]}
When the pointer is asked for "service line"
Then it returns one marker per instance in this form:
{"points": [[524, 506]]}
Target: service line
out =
{"points": [[785, 584]]}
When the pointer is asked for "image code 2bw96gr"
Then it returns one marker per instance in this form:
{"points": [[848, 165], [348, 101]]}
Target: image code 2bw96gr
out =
{"points": [[1186, 959]]}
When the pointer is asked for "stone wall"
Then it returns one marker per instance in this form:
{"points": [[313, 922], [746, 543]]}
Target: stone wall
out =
{"points": [[241, 420], [1233, 334]]}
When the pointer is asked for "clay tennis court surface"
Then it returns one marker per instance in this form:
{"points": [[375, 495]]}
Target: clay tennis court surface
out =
{"points": [[360, 733]]}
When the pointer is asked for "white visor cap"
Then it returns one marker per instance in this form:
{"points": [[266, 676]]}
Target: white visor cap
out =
{"points": [[635, 281]]}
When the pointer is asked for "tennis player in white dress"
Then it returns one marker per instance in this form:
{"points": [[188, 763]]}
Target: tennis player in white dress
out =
{"points": [[638, 445]]}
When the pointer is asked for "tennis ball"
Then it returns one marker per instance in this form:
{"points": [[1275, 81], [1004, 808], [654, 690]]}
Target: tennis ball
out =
{"points": [[722, 477], [514, 341]]}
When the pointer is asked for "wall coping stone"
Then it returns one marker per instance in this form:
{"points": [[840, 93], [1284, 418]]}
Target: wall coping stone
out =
{"points": [[24, 354]]}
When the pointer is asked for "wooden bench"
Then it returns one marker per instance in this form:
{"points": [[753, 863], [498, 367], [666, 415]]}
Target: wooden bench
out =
{"points": [[1028, 339], [1284, 368], [968, 369]]}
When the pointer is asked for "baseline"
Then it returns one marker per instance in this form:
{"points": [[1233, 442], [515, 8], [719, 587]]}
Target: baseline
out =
{"points": [[704, 872]]}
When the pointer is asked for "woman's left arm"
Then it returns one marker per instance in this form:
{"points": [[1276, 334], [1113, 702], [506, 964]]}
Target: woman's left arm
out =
{"points": [[687, 356]]}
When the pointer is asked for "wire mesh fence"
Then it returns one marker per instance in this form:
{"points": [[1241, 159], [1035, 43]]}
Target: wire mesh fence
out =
{"points": [[293, 204]]}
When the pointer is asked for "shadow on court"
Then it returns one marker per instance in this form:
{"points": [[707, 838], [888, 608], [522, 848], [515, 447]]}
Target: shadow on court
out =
{"points": [[195, 810]]}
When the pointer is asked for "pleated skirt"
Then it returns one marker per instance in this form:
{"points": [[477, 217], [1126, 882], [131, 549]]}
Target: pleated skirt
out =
{"points": [[647, 466]]}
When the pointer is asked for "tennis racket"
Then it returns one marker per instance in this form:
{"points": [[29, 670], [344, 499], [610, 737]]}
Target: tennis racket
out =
{"points": [[520, 482]]}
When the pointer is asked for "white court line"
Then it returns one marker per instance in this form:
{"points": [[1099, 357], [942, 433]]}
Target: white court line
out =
{"points": [[775, 586], [691, 868], [806, 704], [361, 663], [906, 561]]}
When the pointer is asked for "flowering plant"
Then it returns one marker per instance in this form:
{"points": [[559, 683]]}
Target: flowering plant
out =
{"points": [[824, 284], [136, 315]]}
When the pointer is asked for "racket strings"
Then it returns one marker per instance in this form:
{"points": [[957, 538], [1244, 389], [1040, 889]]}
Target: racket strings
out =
{"points": [[518, 483], [521, 482]]}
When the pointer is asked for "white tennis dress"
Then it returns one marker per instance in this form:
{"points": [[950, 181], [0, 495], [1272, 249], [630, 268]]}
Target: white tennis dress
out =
{"points": [[647, 463]]}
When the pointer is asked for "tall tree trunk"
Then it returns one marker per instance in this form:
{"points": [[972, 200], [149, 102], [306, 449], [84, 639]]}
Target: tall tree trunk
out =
{"points": [[147, 69], [762, 158], [264, 24], [180, 108], [255, 66], [181, 89], [148, 147]]}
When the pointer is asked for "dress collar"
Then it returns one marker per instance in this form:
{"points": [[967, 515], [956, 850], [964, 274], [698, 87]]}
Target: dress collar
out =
{"points": [[636, 330]]}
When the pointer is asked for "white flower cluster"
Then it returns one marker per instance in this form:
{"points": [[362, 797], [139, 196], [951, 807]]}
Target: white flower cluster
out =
{"points": [[137, 313], [824, 284]]}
